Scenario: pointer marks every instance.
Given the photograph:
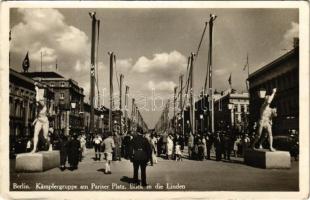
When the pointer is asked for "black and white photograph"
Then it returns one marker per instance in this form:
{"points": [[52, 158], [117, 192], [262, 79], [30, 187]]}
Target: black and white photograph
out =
{"points": [[156, 98]]}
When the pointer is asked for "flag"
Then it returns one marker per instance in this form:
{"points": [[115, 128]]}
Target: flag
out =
{"points": [[26, 63], [229, 80]]}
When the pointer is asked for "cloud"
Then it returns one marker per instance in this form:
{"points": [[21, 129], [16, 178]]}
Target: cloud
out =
{"points": [[45, 30], [171, 63], [220, 72], [292, 32], [124, 64], [161, 86], [289, 35]]}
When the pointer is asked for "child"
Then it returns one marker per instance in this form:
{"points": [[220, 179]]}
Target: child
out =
{"points": [[178, 152]]}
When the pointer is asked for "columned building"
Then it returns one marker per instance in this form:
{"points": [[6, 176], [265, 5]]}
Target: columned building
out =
{"points": [[23, 109], [283, 74], [231, 108]]}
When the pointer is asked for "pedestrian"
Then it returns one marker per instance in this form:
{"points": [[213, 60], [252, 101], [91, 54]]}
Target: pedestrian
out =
{"points": [[28, 146], [181, 141], [236, 144], [74, 148], [118, 144], [204, 143], [97, 144], [169, 147], [83, 146], [227, 146], [108, 146], [140, 155], [126, 143], [154, 148], [164, 142], [218, 147], [148, 137], [209, 141], [63, 150], [195, 148], [245, 144], [160, 145], [178, 151], [190, 145]]}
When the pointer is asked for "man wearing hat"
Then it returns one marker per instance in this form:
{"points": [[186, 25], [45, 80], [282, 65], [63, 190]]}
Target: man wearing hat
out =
{"points": [[141, 153]]}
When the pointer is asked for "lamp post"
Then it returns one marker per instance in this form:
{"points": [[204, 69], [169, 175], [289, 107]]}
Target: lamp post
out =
{"points": [[102, 122], [201, 122], [188, 125], [73, 105]]}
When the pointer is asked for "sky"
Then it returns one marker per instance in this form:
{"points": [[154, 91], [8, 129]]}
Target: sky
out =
{"points": [[151, 47]]}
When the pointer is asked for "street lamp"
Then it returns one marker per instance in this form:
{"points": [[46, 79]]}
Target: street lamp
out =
{"points": [[262, 93], [73, 105], [201, 118]]}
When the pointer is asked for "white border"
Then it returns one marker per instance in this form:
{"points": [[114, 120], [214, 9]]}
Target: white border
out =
{"points": [[303, 7]]}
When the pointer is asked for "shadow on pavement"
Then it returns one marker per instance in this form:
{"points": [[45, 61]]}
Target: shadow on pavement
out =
{"points": [[127, 179], [101, 170], [233, 161]]}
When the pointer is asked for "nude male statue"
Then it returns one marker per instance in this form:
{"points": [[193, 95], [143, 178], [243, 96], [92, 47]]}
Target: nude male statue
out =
{"points": [[265, 121], [41, 121]]}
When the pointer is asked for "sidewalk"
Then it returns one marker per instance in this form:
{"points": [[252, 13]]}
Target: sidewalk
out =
{"points": [[208, 175]]}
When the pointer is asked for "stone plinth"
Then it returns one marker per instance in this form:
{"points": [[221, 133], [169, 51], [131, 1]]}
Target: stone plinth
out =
{"points": [[266, 159], [37, 162]]}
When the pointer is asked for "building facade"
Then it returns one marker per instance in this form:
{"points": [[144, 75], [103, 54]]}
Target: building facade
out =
{"points": [[69, 100], [283, 74], [231, 108]]}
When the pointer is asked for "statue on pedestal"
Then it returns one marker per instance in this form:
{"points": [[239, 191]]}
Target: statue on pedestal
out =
{"points": [[265, 122], [41, 122]]}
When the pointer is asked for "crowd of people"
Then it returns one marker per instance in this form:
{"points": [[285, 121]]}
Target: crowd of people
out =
{"points": [[171, 146]]}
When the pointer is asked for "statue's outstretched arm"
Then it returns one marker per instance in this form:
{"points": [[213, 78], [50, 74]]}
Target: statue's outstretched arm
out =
{"points": [[272, 95]]}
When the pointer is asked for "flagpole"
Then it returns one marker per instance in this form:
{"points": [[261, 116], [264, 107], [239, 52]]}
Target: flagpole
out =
{"points": [[247, 61], [41, 61]]}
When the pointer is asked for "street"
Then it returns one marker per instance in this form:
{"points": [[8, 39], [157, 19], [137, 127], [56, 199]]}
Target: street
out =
{"points": [[186, 175]]}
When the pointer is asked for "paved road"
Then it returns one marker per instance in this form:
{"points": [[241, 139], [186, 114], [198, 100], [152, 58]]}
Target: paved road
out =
{"points": [[186, 175]]}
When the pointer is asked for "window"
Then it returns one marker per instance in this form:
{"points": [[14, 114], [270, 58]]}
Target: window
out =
{"points": [[62, 95], [62, 84], [242, 108], [235, 108]]}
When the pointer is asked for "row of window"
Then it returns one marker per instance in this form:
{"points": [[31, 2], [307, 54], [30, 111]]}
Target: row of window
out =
{"points": [[20, 92], [62, 84]]}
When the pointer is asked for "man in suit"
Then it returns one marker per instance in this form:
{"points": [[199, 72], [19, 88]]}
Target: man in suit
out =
{"points": [[141, 153]]}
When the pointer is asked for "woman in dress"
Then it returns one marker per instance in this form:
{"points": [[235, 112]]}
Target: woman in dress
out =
{"points": [[169, 147]]}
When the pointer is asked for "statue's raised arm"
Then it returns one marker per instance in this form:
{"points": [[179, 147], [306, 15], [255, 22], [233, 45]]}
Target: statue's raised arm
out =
{"points": [[270, 98]]}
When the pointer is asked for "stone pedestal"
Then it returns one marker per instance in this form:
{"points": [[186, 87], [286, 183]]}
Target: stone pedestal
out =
{"points": [[266, 159], [37, 162]]}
